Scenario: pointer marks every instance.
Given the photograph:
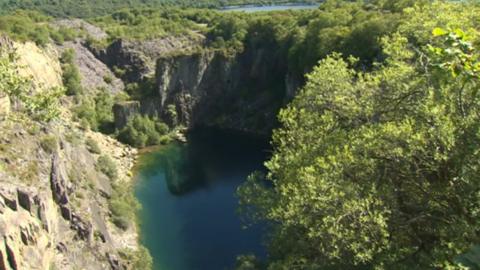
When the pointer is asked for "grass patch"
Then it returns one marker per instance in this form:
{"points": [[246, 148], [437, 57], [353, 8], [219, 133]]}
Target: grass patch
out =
{"points": [[123, 206], [49, 143], [107, 166], [92, 146]]}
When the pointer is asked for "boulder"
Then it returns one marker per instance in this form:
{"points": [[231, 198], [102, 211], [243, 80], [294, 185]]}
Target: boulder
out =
{"points": [[84, 229], [58, 182], [25, 199], [9, 198]]}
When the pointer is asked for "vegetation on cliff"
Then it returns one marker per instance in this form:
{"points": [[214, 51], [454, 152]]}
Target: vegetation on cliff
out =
{"points": [[41, 106], [379, 169], [142, 131]]}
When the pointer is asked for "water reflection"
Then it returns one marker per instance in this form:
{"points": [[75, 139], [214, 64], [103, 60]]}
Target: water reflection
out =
{"points": [[205, 160], [189, 220]]}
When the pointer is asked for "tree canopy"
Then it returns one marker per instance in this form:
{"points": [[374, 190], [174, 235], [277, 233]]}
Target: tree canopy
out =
{"points": [[379, 169]]}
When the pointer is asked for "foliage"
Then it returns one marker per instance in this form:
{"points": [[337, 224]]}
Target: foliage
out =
{"points": [[142, 131], [123, 206], [91, 8], [378, 169], [142, 90], [71, 75], [97, 112], [42, 105], [27, 25], [49, 143], [147, 23], [139, 259], [107, 166], [92, 146]]}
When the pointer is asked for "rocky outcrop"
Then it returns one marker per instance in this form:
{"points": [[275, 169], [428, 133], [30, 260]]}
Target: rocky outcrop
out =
{"points": [[59, 183], [137, 59], [41, 65], [204, 87], [242, 93], [24, 237], [124, 111], [54, 208], [94, 74]]}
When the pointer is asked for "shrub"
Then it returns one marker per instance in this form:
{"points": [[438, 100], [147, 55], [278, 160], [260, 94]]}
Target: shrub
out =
{"points": [[140, 258], [92, 146], [97, 112], [68, 56], [161, 128], [49, 143], [74, 138], [107, 166], [119, 72], [107, 79], [142, 131], [71, 76], [123, 206]]}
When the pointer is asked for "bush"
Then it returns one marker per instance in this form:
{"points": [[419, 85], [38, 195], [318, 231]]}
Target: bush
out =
{"points": [[107, 79], [119, 72], [71, 75], [49, 143], [140, 258], [107, 166], [142, 131], [68, 56], [123, 206], [92, 146], [97, 112]]}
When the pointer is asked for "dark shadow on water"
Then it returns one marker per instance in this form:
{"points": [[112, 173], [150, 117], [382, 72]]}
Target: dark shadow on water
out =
{"points": [[189, 218], [209, 154]]}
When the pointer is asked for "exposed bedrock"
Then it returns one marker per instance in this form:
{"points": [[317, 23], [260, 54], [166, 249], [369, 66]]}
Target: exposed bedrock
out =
{"points": [[205, 88]]}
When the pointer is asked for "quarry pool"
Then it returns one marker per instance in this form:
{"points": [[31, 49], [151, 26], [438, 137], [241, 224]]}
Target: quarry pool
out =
{"points": [[254, 8], [189, 219]]}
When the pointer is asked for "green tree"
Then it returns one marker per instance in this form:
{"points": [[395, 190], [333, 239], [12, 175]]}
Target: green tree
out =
{"points": [[377, 170]]}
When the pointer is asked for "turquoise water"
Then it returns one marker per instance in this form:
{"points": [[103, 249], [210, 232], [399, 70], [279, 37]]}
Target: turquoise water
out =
{"points": [[189, 219], [269, 8]]}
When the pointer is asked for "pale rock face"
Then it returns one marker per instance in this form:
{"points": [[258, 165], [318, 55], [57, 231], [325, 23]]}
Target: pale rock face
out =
{"points": [[41, 65], [54, 207]]}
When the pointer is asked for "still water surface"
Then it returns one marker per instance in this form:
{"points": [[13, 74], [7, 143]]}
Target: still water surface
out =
{"points": [[189, 219], [252, 8]]}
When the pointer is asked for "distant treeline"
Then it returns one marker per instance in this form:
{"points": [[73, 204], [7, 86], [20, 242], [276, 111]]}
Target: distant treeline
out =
{"points": [[92, 8]]}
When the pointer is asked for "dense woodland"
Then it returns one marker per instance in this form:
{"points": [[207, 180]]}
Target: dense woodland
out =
{"points": [[376, 164], [91, 8]]}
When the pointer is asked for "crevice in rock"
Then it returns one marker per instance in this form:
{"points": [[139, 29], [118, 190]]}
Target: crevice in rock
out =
{"points": [[11, 257], [2, 261]]}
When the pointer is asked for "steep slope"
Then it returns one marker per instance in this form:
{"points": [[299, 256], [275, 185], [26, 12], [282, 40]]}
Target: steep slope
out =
{"points": [[54, 195]]}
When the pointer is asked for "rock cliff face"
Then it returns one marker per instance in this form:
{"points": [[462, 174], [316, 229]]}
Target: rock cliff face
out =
{"points": [[205, 88], [54, 200], [243, 92], [54, 210], [136, 59]]}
